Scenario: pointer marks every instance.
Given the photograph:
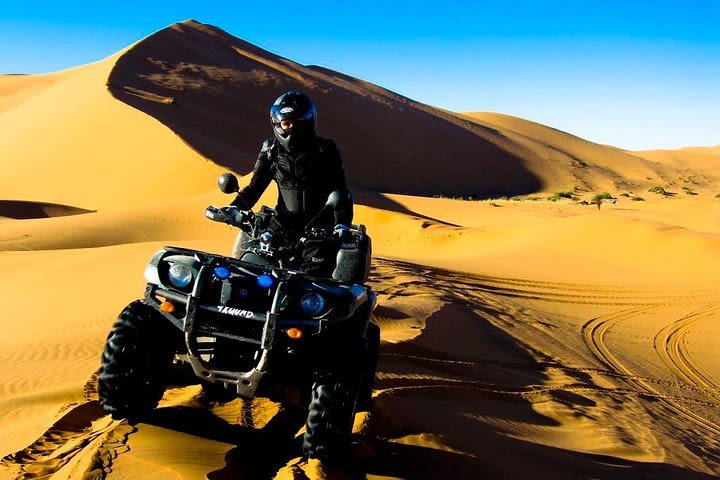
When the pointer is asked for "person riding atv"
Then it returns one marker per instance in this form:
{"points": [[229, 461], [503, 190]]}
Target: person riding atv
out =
{"points": [[306, 168], [286, 318]]}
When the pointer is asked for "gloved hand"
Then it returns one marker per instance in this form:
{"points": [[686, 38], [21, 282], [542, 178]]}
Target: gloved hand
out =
{"points": [[234, 214], [215, 214], [342, 232]]}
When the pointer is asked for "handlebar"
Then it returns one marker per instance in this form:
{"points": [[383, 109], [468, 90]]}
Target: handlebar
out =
{"points": [[231, 215], [246, 221]]}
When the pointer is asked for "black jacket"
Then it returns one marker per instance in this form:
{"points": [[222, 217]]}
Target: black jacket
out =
{"points": [[304, 178]]}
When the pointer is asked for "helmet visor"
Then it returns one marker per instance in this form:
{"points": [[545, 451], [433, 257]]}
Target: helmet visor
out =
{"points": [[289, 125], [280, 112]]}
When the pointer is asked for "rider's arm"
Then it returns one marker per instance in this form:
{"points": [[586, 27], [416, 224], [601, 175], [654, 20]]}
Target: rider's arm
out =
{"points": [[336, 172], [261, 176]]}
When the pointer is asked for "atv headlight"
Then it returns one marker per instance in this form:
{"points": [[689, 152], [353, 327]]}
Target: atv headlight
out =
{"points": [[312, 303], [180, 275]]}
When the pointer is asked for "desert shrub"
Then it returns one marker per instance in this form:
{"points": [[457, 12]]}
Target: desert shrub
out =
{"points": [[717, 195], [558, 195], [598, 198], [601, 196], [637, 199], [533, 199], [688, 191], [624, 194], [657, 189]]}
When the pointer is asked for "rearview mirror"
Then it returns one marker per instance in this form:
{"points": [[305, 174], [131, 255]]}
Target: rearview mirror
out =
{"points": [[228, 183]]}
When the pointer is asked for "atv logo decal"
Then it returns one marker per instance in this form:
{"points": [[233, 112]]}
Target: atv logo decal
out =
{"points": [[316, 259], [349, 245], [235, 312]]}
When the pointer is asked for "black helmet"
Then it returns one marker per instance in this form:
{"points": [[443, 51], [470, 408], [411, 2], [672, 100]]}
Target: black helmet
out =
{"points": [[297, 109]]}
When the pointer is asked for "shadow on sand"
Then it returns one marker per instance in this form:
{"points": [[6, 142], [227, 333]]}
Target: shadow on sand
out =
{"points": [[23, 210]]}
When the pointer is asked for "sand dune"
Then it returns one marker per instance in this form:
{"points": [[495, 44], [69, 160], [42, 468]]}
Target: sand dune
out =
{"points": [[592, 166], [709, 150], [212, 76], [519, 338], [16, 89], [699, 162], [72, 143], [565, 161]]}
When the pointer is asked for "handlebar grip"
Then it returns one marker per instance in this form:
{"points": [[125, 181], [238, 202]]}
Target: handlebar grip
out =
{"points": [[215, 214], [234, 215]]}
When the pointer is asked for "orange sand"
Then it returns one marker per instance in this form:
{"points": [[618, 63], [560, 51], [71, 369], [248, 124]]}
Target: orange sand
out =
{"points": [[521, 338]]}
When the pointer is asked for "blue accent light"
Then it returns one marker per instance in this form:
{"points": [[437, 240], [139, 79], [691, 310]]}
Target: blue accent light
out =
{"points": [[265, 281], [223, 273], [243, 293]]}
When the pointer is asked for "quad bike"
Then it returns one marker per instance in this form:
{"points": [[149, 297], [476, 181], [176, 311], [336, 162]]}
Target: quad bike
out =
{"points": [[257, 325]]}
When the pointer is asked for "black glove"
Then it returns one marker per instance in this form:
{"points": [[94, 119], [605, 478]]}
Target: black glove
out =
{"points": [[231, 215], [214, 214], [344, 236], [234, 214], [342, 231]]}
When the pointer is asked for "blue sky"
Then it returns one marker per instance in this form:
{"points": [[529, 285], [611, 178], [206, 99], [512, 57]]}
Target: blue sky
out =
{"points": [[631, 74]]}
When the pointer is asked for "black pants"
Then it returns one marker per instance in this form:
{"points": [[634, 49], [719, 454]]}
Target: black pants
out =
{"points": [[317, 257]]}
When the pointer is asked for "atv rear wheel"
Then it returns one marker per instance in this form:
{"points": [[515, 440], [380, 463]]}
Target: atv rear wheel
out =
{"points": [[330, 419], [136, 363]]}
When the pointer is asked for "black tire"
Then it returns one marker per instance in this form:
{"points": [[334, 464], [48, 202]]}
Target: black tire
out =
{"points": [[367, 379], [136, 363], [217, 392], [330, 419]]}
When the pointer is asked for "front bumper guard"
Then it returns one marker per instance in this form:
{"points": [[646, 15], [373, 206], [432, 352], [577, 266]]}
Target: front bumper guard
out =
{"points": [[245, 383]]}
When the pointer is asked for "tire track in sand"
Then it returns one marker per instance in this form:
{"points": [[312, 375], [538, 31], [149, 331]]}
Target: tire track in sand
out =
{"points": [[542, 366], [532, 393], [416, 278], [478, 290], [82, 444], [594, 332], [671, 347]]}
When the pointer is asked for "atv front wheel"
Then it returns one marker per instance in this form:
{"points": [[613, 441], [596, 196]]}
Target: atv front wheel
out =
{"points": [[136, 362], [367, 379], [330, 420]]}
